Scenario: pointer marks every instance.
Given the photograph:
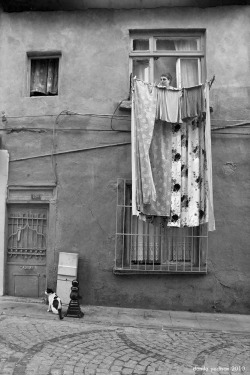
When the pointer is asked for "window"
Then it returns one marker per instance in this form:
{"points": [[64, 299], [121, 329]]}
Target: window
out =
{"points": [[156, 245], [153, 247], [43, 74], [180, 53]]}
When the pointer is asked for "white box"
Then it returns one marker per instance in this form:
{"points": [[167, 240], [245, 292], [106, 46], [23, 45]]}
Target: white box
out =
{"points": [[63, 288]]}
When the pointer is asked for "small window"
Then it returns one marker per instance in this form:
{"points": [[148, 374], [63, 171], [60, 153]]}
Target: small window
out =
{"points": [[155, 247], [44, 77], [43, 74]]}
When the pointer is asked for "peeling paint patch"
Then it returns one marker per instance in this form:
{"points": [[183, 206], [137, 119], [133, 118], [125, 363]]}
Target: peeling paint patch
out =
{"points": [[229, 168]]}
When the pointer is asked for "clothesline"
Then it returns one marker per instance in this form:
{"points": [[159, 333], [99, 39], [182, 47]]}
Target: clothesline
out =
{"points": [[209, 82]]}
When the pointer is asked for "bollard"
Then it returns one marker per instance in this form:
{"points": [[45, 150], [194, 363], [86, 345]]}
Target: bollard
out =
{"points": [[74, 309]]}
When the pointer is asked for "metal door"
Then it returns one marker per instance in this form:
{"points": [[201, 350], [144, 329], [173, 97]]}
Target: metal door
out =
{"points": [[26, 250]]}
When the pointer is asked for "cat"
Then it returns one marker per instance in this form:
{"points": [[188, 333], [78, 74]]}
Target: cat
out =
{"points": [[55, 304]]}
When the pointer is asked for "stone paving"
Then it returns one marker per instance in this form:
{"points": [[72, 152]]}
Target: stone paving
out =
{"points": [[40, 346]]}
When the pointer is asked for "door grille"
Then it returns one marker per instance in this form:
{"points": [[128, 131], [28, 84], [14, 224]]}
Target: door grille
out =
{"points": [[27, 235]]}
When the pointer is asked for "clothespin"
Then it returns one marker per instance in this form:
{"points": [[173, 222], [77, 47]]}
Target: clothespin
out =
{"points": [[211, 82], [131, 84]]}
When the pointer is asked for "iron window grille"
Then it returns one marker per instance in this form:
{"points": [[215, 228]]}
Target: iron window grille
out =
{"points": [[153, 247]]}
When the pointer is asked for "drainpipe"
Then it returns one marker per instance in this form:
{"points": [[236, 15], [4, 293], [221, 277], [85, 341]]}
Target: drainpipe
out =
{"points": [[4, 169]]}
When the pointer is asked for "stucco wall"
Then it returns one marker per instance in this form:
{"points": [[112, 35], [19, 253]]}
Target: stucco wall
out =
{"points": [[93, 79]]}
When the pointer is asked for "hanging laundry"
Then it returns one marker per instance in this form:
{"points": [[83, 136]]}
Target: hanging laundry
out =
{"points": [[160, 159], [209, 176], [168, 104], [171, 162], [189, 169], [192, 102], [152, 149], [144, 113]]}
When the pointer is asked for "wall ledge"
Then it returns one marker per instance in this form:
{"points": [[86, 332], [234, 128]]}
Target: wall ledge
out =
{"points": [[126, 272]]}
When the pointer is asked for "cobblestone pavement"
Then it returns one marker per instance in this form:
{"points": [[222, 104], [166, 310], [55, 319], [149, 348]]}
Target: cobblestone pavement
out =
{"points": [[35, 346]]}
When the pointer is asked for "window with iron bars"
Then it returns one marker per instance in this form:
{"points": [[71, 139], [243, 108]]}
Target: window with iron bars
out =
{"points": [[152, 246]]}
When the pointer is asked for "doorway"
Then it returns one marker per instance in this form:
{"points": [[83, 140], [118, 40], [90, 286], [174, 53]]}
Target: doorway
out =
{"points": [[26, 250]]}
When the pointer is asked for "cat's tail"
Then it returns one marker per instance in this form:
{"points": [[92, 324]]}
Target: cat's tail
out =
{"points": [[60, 313]]}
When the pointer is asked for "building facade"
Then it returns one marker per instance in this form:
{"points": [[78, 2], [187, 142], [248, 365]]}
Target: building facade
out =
{"points": [[66, 144]]}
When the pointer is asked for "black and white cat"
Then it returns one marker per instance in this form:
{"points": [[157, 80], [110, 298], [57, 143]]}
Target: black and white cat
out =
{"points": [[55, 304]]}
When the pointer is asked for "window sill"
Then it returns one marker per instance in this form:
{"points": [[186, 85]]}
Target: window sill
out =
{"points": [[155, 271], [41, 96]]}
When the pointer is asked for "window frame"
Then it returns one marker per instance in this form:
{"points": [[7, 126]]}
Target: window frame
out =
{"points": [[39, 55], [152, 53]]}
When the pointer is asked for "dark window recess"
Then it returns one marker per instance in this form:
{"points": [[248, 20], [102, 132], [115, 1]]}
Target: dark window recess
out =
{"points": [[140, 44], [44, 77]]}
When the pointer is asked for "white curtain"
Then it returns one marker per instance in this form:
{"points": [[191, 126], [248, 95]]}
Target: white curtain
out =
{"points": [[189, 72], [185, 45], [188, 67], [44, 77], [141, 66], [141, 69], [146, 241]]}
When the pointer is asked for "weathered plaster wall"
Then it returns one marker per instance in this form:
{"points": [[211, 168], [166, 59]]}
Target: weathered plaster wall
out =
{"points": [[93, 79]]}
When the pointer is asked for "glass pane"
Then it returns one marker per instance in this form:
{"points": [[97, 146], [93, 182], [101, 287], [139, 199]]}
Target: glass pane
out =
{"points": [[140, 45], [141, 69], [163, 65], [189, 72], [177, 44]]}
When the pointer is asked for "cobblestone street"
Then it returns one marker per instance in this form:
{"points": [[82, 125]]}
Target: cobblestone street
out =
{"points": [[40, 346]]}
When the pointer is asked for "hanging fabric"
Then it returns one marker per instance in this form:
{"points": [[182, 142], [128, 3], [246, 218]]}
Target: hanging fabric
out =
{"points": [[168, 105], [189, 169], [151, 154], [145, 108], [211, 220], [193, 102], [175, 156]]}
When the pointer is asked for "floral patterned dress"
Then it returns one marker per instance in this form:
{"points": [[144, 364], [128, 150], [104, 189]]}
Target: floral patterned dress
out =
{"points": [[189, 169]]}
